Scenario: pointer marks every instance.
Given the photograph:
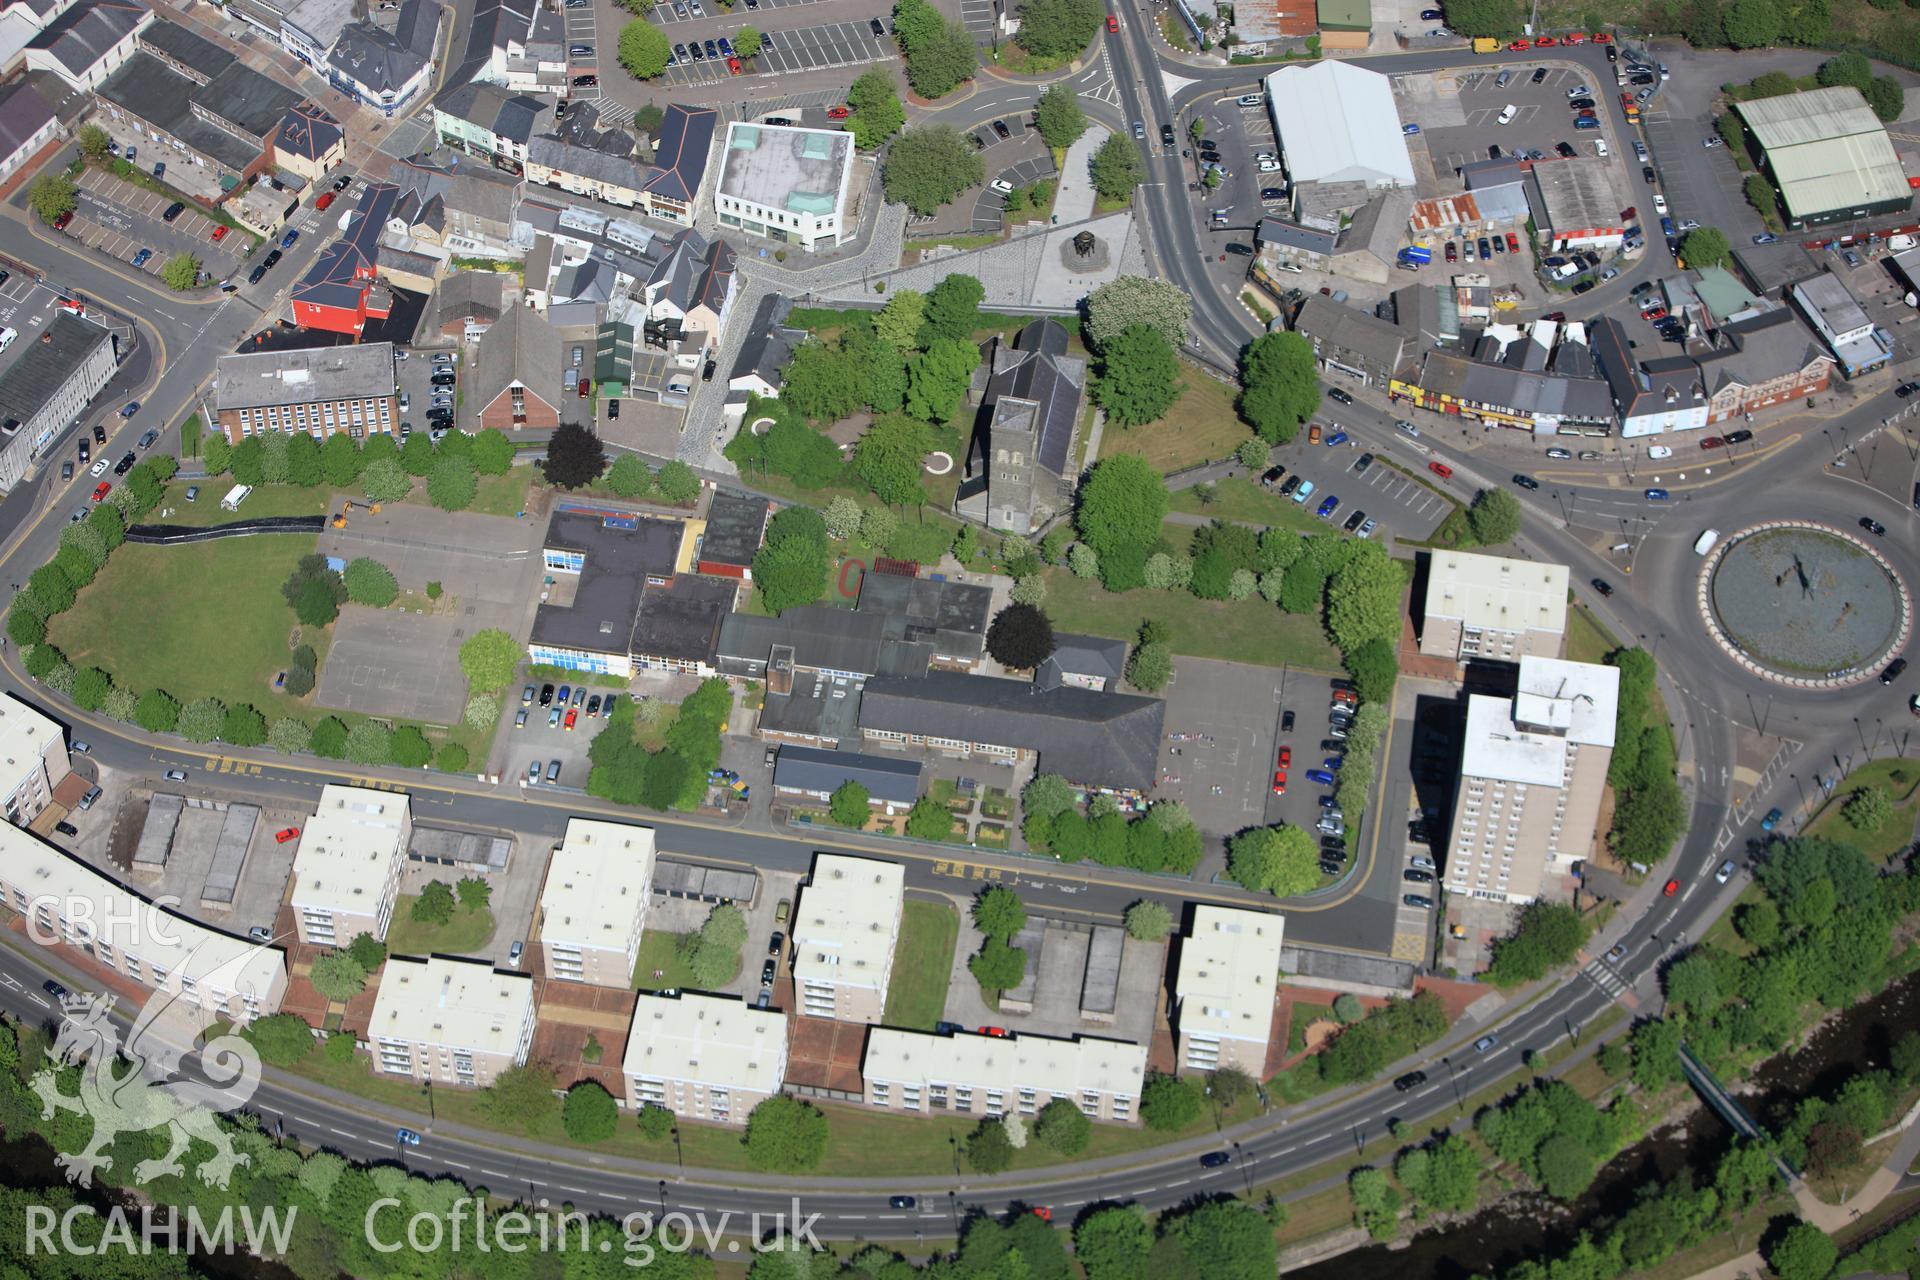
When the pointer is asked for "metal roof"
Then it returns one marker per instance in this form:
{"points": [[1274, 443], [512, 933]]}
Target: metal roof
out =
{"points": [[1827, 150], [1338, 121], [891, 779]]}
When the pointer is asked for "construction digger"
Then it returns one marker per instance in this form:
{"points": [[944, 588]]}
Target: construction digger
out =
{"points": [[340, 521]]}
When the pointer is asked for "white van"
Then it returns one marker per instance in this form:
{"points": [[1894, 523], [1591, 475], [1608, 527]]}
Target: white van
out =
{"points": [[1705, 542], [6, 338]]}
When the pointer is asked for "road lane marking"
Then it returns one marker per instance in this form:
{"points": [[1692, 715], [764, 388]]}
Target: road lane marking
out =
{"points": [[1183, 1182], [1322, 1138], [456, 1164], [342, 1132], [493, 1173]]}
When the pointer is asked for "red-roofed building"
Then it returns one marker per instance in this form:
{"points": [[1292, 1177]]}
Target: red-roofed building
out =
{"points": [[340, 293]]}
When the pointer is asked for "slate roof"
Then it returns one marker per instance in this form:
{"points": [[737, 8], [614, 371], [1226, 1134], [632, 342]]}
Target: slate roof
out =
{"points": [[887, 778], [1378, 226], [500, 111], [1517, 391], [680, 159], [23, 113], [1095, 739], [1640, 388], [735, 523], [382, 60], [616, 169], [693, 272], [1290, 235], [461, 183], [520, 347], [1764, 347], [1079, 655], [1036, 370], [188, 48], [1335, 324], [606, 601], [822, 638], [682, 621], [150, 90], [949, 617], [770, 342], [464, 295], [338, 277], [43, 368], [82, 35], [308, 131]]}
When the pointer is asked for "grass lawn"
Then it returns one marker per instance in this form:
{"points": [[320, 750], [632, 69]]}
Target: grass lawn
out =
{"points": [[1246, 501], [1249, 630], [917, 991], [991, 835], [1304, 1015], [1587, 640], [1899, 779], [1202, 426], [660, 950], [503, 495], [469, 930], [266, 500], [204, 618]]}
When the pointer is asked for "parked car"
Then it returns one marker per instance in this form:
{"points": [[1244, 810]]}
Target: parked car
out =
{"points": [[1772, 820], [286, 834], [1320, 776]]}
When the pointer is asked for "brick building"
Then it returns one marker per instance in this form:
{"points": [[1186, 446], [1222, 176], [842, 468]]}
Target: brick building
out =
{"points": [[318, 390]]}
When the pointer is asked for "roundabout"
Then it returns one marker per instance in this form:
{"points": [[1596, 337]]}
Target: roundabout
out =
{"points": [[1803, 604]]}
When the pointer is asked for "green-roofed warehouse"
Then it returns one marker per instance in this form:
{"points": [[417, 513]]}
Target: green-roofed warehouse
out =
{"points": [[1829, 155]]}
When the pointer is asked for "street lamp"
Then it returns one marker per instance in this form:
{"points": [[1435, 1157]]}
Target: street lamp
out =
{"points": [[678, 1153]]}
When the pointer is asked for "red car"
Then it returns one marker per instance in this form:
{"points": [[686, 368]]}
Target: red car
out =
{"points": [[219, 234], [1656, 313], [1673, 887], [1713, 442], [1000, 1032], [60, 223], [1286, 757], [102, 489], [1113, 25], [1630, 213], [285, 834], [1453, 252], [1345, 695], [1042, 1212], [733, 66], [1440, 469], [573, 715], [1545, 42], [1573, 37], [1279, 782], [1520, 46], [1601, 37], [1513, 243], [837, 113], [326, 198]]}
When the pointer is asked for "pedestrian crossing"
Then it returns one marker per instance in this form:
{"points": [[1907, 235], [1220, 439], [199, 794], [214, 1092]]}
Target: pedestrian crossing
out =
{"points": [[1602, 975]]}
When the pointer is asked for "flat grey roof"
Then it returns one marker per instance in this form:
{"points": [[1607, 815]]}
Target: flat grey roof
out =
{"points": [[156, 833], [230, 853], [459, 848], [256, 379], [798, 170], [44, 367], [1100, 989], [892, 779]]}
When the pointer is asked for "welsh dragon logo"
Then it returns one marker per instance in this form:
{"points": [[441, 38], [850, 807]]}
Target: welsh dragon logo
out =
{"points": [[135, 1088]]}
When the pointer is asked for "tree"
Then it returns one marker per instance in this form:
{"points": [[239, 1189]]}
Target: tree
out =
{"points": [[409, 748], [282, 1039], [575, 456], [1867, 810], [157, 711], [877, 113], [339, 459], [90, 687], [643, 50], [1063, 1127], [93, 141], [489, 659], [891, 456], [1168, 1103], [1139, 378], [1149, 921], [1117, 167], [435, 903], [937, 379], [929, 820], [1483, 17], [941, 60], [371, 583], [243, 726], [790, 572], [202, 719], [629, 477], [1751, 24], [952, 309], [677, 482], [303, 461], [1122, 303], [997, 966], [928, 166], [52, 196], [367, 951], [1020, 637], [1058, 28], [988, 1148], [1150, 666], [384, 480], [1802, 1252], [1376, 1205], [329, 739], [1280, 385], [821, 384], [1494, 517], [1121, 505], [898, 324], [1693, 985], [1656, 1053], [1225, 1239], [1846, 69], [181, 273], [1363, 598], [746, 42], [520, 1099], [785, 1135], [370, 742], [656, 1122], [1047, 795], [589, 1113], [999, 913], [452, 483], [1280, 860], [1547, 935], [337, 976], [1705, 247], [1059, 118], [850, 805], [1374, 668]]}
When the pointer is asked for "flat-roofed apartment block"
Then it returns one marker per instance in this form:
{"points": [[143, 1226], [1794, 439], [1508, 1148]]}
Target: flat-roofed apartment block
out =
{"points": [[704, 1057], [450, 1021], [594, 904], [788, 184], [1229, 966], [346, 872], [319, 391], [844, 934], [1532, 770], [995, 1075], [33, 759], [1492, 607], [213, 975]]}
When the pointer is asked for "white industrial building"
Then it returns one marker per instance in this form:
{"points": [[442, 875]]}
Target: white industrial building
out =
{"points": [[1337, 123]]}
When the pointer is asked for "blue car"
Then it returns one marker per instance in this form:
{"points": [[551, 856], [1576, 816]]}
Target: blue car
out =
{"points": [[1337, 439], [1772, 820], [1657, 495], [1332, 763], [143, 257], [286, 241], [1328, 507], [1409, 130], [560, 699], [1320, 776], [726, 47], [406, 1137]]}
